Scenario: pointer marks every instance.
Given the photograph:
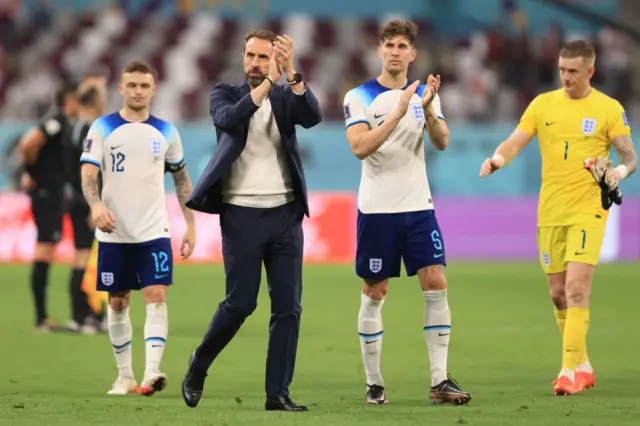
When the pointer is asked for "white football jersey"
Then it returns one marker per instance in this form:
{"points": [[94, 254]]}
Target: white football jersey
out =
{"points": [[132, 159], [394, 178]]}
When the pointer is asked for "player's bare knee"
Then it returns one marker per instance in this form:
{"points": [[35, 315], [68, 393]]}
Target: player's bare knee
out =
{"points": [[154, 294], [119, 301], [375, 289], [559, 297], [577, 292], [432, 278]]}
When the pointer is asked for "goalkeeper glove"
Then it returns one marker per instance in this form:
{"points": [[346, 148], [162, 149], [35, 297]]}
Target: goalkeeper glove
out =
{"points": [[609, 192]]}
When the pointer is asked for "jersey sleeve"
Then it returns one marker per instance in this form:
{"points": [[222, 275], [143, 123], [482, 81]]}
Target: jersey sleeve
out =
{"points": [[529, 120], [618, 122], [174, 158], [437, 107], [92, 150], [354, 109]]}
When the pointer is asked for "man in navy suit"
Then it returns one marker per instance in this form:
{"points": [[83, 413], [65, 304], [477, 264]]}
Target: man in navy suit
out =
{"points": [[256, 183]]}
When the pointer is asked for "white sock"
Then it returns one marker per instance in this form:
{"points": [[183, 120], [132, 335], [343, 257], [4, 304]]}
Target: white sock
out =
{"points": [[121, 335], [569, 373], [155, 335], [437, 330], [370, 331], [585, 366]]}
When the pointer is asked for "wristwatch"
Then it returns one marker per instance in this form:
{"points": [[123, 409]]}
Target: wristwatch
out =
{"points": [[297, 78]]}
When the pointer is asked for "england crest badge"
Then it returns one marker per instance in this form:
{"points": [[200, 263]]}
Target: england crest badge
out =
{"points": [[418, 113], [375, 265], [107, 278], [588, 126], [156, 146]]}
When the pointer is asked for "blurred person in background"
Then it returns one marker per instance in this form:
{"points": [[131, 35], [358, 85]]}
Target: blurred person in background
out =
{"points": [[92, 103], [42, 150]]}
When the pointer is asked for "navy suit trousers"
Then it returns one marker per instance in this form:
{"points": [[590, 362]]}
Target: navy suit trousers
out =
{"points": [[251, 237]]}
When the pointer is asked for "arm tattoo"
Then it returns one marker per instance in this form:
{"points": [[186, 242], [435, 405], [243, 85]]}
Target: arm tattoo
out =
{"points": [[90, 188], [183, 191], [627, 153], [432, 121]]}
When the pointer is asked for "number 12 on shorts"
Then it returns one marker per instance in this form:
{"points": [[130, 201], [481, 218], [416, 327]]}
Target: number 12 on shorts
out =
{"points": [[160, 259], [437, 243]]}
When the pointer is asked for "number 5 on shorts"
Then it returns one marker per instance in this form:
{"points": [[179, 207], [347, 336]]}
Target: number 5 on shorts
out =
{"points": [[437, 243]]}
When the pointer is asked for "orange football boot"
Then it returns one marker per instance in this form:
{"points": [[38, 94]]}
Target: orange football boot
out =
{"points": [[584, 380], [563, 386]]}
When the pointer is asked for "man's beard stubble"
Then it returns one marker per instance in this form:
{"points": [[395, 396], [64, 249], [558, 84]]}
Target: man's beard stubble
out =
{"points": [[254, 81]]}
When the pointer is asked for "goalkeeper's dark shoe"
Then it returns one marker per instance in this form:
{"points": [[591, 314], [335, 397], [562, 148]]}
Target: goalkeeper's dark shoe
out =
{"points": [[448, 392], [376, 395]]}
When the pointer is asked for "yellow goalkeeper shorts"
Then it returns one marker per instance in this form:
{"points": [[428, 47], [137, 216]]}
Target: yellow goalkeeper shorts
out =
{"points": [[559, 245]]}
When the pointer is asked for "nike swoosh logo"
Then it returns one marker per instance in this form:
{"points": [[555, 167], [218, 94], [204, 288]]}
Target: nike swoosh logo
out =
{"points": [[578, 254], [116, 147], [548, 124], [435, 256], [370, 341], [159, 276], [156, 346], [120, 351], [376, 116], [443, 334]]}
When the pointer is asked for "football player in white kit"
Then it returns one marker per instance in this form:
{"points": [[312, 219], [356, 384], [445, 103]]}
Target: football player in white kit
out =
{"points": [[385, 119], [132, 148]]}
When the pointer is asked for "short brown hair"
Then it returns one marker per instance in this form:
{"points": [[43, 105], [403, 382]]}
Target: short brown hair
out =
{"points": [[261, 34], [141, 67], [578, 48], [395, 28]]}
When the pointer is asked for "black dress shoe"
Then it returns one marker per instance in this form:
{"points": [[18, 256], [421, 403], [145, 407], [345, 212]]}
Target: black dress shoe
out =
{"points": [[283, 403], [192, 386]]}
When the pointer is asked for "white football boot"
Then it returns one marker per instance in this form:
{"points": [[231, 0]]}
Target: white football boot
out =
{"points": [[123, 386], [152, 383]]}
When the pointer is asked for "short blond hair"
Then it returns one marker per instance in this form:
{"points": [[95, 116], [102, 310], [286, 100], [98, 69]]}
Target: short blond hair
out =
{"points": [[579, 49]]}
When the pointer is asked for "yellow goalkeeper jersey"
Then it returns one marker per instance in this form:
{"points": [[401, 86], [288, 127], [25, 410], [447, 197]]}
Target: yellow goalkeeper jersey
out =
{"points": [[569, 131]]}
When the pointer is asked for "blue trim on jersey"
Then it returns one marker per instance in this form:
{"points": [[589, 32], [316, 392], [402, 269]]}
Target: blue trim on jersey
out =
{"points": [[110, 123], [162, 126], [90, 161], [370, 90], [358, 121], [177, 163], [420, 90]]}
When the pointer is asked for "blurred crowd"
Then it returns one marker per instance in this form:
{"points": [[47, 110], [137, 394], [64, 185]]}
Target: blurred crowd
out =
{"points": [[490, 75]]}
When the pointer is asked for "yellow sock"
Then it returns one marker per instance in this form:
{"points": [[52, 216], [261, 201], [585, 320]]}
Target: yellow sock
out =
{"points": [[574, 339], [561, 317]]}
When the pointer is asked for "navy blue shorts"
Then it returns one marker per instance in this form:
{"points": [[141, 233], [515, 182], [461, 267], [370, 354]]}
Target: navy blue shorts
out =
{"points": [[133, 266], [386, 238]]}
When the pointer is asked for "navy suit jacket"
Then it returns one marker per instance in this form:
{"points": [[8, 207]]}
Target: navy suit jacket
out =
{"points": [[231, 110]]}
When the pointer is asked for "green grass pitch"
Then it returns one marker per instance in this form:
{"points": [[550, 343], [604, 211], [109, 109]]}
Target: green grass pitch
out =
{"points": [[505, 349]]}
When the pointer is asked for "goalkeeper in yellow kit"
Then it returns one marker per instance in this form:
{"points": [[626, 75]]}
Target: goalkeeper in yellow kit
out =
{"points": [[576, 126]]}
